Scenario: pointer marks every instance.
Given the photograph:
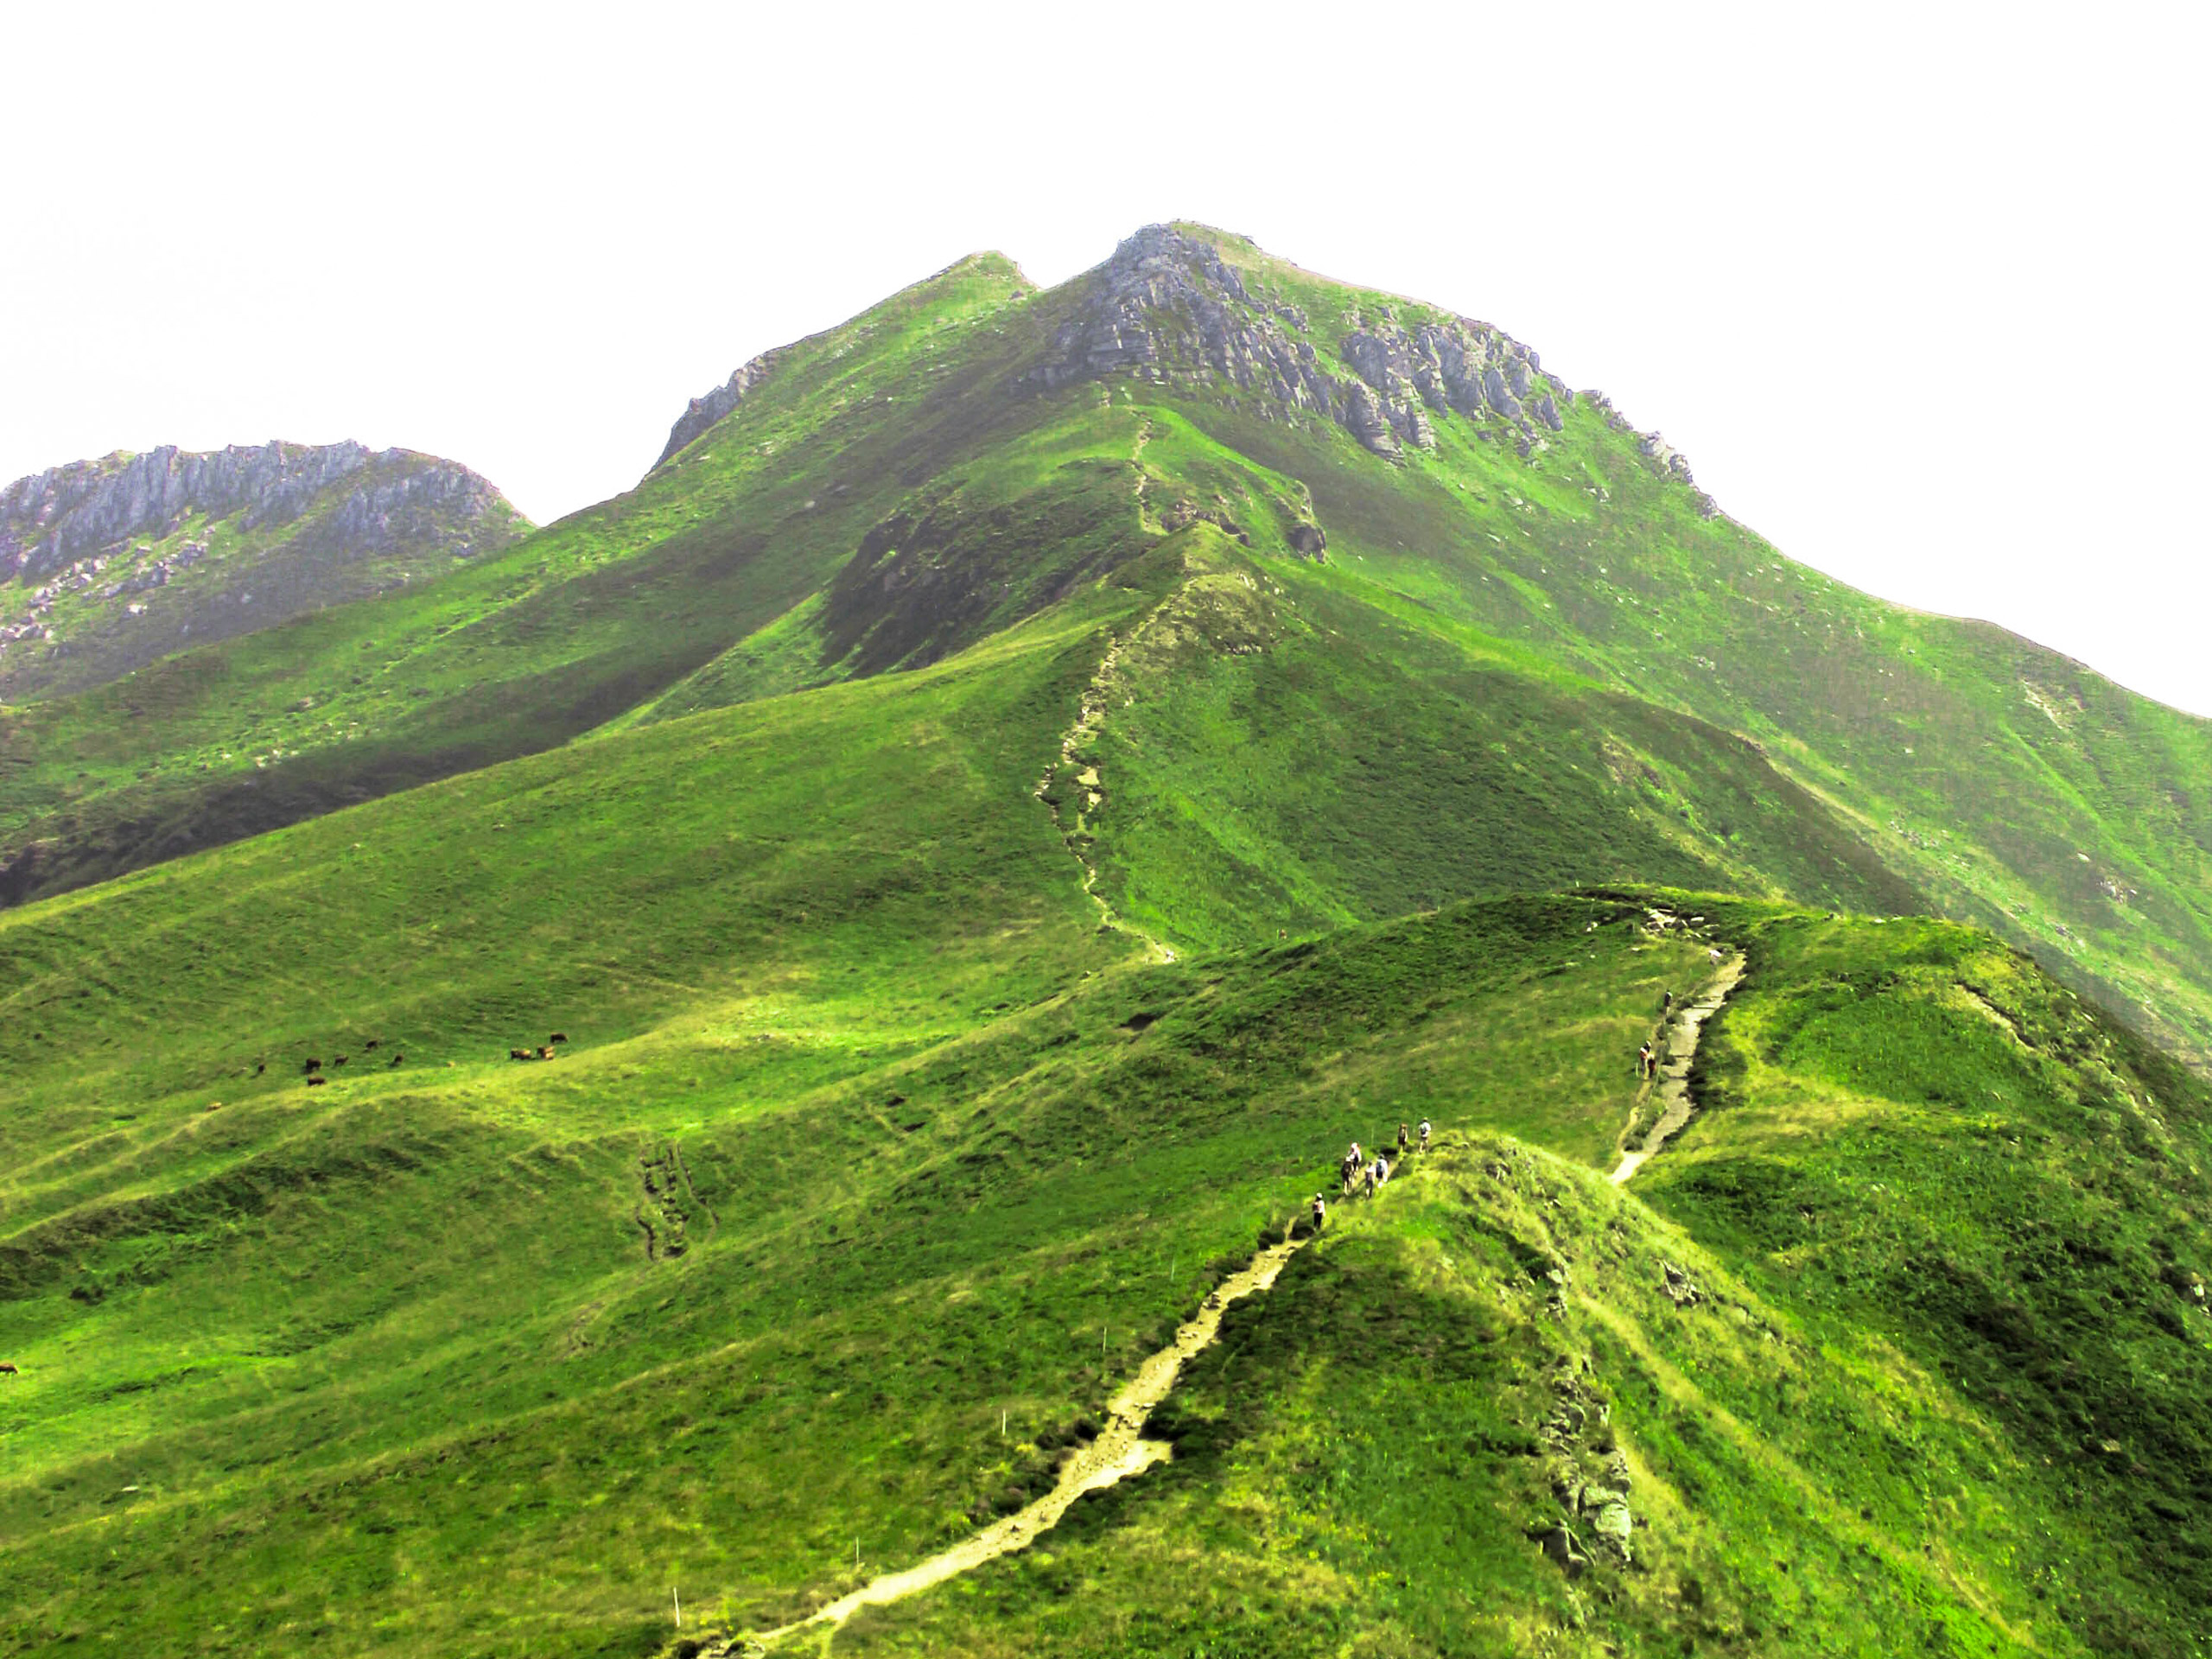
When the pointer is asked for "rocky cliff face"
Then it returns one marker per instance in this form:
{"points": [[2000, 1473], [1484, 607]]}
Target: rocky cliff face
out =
{"points": [[704, 412], [1168, 307], [105, 564]]}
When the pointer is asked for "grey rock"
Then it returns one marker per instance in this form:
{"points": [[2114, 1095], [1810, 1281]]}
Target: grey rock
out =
{"points": [[1565, 1550], [1167, 306], [704, 412], [1308, 540]]}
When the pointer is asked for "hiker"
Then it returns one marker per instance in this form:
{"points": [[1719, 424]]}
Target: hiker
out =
{"points": [[1714, 953], [1320, 1213], [1644, 1061], [1404, 1140], [1424, 1134], [1666, 1003], [1374, 1181], [1381, 1170]]}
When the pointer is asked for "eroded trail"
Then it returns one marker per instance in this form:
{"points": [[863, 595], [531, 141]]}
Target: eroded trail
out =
{"points": [[1087, 793], [1121, 1450], [1674, 1070]]}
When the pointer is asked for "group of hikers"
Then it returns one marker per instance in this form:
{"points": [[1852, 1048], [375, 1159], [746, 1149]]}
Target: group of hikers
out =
{"points": [[1647, 1057], [1355, 1171]]}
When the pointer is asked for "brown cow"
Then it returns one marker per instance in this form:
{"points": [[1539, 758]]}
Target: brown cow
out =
{"points": [[372, 1043], [340, 1060], [260, 1066], [396, 1058], [558, 1037], [546, 1052], [312, 1065], [317, 1082], [8, 1368], [518, 1054]]}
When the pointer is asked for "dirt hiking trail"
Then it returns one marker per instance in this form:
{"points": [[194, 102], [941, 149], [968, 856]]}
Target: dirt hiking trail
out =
{"points": [[1121, 1450], [1088, 793], [1679, 1048]]}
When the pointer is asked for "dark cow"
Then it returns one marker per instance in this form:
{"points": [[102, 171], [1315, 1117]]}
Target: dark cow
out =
{"points": [[260, 1066], [372, 1043], [339, 1060], [312, 1065], [317, 1082], [396, 1058], [558, 1037]]}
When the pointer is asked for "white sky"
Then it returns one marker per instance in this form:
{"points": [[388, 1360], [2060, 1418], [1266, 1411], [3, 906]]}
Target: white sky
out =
{"points": [[1920, 290]]}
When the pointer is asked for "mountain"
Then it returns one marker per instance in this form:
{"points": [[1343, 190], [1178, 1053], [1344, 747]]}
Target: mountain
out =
{"points": [[974, 449], [736, 1044], [130, 558]]}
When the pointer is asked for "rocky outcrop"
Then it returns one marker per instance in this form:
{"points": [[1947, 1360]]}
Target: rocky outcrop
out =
{"points": [[704, 412], [1662, 457], [54, 518], [1169, 308], [88, 547]]}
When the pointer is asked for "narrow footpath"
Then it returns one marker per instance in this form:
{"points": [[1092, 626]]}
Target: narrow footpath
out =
{"points": [[1679, 1049], [1088, 793], [1120, 1451]]}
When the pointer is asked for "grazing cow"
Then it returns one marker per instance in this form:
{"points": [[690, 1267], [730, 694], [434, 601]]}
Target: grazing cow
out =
{"points": [[340, 1060], [312, 1065], [396, 1058], [546, 1052], [260, 1066], [317, 1082], [372, 1043], [558, 1037], [518, 1054], [8, 1368]]}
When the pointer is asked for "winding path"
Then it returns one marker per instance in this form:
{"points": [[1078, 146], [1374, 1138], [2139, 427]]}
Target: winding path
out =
{"points": [[1681, 1049], [1090, 794], [1120, 1451]]}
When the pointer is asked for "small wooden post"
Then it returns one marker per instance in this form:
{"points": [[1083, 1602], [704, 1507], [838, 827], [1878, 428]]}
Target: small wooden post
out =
{"points": [[676, 1601]]}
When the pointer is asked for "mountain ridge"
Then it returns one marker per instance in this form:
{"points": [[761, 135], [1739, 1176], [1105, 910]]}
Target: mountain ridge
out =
{"points": [[600, 1104], [1011, 428], [303, 524]]}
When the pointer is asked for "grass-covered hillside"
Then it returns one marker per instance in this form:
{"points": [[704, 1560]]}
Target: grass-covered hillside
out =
{"points": [[974, 450], [687, 1061], [874, 1157]]}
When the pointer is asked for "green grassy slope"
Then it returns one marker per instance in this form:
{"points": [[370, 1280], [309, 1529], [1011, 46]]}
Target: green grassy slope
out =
{"points": [[520, 652], [2013, 785], [948, 463], [869, 1132]]}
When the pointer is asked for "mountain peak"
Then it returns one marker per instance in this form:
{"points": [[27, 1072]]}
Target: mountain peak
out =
{"points": [[137, 554], [1168, 307]]}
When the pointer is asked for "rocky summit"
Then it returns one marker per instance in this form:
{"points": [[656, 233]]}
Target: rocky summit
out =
{"points": [[113, 563], [1167, 305], [1184, 963]]}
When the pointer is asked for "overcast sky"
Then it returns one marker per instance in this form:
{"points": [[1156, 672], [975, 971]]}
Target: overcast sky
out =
{"points": [[1920, 291]]}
